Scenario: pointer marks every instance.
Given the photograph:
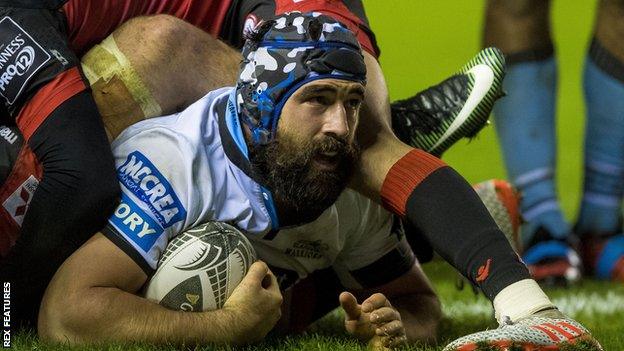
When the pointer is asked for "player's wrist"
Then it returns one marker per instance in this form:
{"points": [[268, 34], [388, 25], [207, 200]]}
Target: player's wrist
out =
{"points": [[245, 325], [224, 326]]}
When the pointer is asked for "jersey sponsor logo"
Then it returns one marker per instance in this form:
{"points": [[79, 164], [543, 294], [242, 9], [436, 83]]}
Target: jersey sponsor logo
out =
{"points": [[59, 57], [8, 134], [308, 249], [484, 271], [20, 58], [135, 224], [144, 180], [17, 203]]}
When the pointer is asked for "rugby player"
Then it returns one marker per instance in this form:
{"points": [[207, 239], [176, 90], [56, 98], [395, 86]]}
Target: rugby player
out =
{"points": [[62, 174], [281, 143]]}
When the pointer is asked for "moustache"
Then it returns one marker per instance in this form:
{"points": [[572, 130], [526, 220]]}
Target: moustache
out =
{"points": [[332, 145]]}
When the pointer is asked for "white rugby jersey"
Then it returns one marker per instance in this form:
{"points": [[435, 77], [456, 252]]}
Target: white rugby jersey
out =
{"points": [[189, 168]]}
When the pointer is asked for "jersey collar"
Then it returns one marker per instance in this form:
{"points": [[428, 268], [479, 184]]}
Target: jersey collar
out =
{"points": [[236, 150]]}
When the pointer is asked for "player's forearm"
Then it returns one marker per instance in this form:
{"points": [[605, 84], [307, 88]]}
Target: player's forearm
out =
{"points": [[101, 314], [421, 314]]}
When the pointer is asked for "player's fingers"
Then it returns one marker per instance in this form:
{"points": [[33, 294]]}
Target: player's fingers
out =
{"points": [[374, 302], [394, 328], [271, 295], [256, 274], [270, 282], [349, 304], [384, 315]]}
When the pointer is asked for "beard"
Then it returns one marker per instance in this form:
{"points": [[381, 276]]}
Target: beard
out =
{"points": [[301, 189]]}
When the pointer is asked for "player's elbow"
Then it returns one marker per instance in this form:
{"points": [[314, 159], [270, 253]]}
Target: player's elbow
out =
{"points": [[50, 330], [73, 314], [58, 316]]}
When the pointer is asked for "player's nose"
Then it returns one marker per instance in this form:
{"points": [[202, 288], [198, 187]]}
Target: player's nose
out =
{"points": [[336, 121]]}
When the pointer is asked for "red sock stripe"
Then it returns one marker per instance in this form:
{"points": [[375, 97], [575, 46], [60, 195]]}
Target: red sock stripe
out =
{"points": [[404, 176]]}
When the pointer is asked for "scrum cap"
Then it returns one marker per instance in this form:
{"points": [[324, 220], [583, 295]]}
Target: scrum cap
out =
{"points": [[285, 53]]}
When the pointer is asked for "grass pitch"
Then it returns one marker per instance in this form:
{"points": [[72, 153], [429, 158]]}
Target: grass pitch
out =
{"points": [[423, 42], [597, 305]]}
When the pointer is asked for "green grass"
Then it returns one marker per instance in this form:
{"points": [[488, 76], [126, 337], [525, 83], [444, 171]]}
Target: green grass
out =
{"points": [[465, 313], [422, 42]]}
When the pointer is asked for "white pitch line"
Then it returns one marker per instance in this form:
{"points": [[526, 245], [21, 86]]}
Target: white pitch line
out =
{"points": [[587, 304]]}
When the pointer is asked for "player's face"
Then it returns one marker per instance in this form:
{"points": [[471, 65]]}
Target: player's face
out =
{"points": [[326, 109], [310, 161]]}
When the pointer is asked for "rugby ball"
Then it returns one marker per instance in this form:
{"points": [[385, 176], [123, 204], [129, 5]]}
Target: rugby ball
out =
{"points": [[201, 267]]}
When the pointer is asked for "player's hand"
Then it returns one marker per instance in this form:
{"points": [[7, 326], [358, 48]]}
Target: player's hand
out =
{"points": [[256, 302], [375, 320]]}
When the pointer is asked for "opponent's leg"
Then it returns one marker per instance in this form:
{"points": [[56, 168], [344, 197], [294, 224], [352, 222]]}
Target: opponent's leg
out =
{"points": [[153, 66], [526, 130], [424, 191], [525, 123], [444, 208], [600, 217]]}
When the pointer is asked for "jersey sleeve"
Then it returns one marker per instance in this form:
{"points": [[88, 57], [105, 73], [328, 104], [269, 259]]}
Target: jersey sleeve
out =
{"points": [[376, 252], [152, 172]]}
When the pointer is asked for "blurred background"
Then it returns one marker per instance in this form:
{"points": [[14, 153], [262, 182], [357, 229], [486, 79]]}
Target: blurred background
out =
{"points": [[423, 42]]}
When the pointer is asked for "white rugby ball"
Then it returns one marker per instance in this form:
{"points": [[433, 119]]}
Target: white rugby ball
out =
{"points": [[201, 267]]}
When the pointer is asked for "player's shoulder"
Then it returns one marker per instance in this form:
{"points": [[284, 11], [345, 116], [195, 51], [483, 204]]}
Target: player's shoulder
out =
{"points": [[359, 215], [351, 214], [189, 126], [351, 203]]}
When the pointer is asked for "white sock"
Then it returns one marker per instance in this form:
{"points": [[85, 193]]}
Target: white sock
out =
{"points": [[520, 300]]}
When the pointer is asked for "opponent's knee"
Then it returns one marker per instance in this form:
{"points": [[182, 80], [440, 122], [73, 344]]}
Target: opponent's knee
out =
{"points": [[124, 69], [121, 95]]}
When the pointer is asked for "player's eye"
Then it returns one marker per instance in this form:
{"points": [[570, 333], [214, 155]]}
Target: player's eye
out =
{"points": [[319, 100], [354, 103]]}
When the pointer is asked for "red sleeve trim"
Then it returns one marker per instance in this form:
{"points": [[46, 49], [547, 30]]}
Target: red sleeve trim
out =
{"points": [[404, 176], [47, 99]]}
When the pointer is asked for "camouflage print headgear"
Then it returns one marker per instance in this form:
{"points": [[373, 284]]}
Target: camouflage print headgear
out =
{"points": [[287, 52]]}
